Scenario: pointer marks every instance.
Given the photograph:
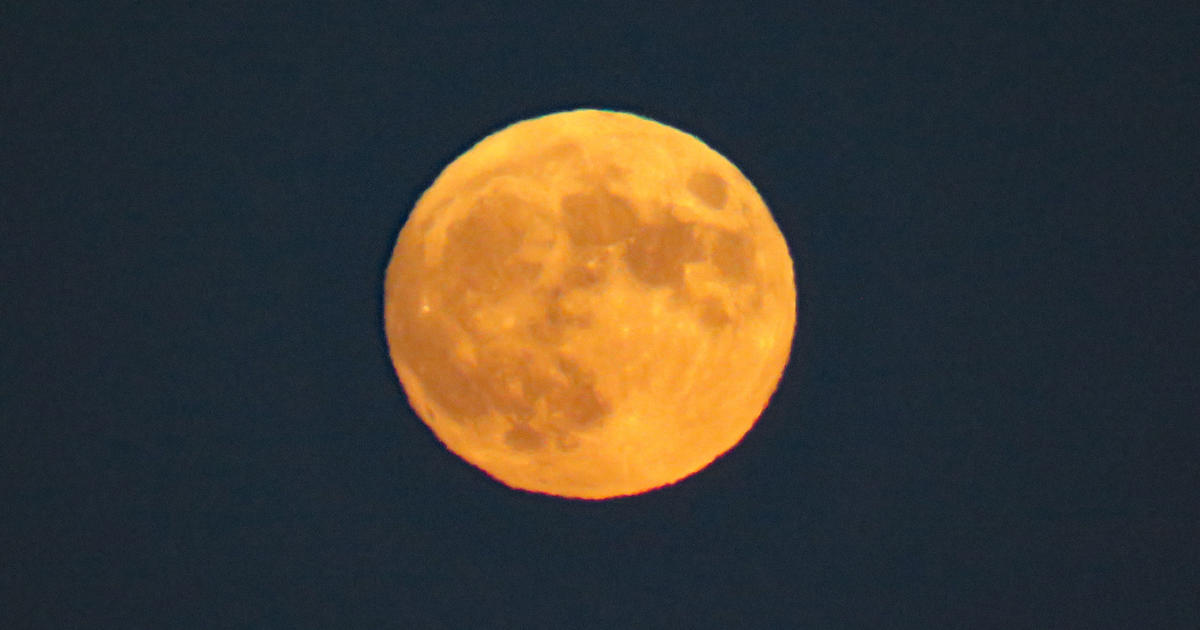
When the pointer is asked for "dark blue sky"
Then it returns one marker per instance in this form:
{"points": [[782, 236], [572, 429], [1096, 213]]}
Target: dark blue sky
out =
{"points": [[990, 418]]}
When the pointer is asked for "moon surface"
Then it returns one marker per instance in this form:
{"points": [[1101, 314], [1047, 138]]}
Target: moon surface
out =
{"points": [[590, 304]]}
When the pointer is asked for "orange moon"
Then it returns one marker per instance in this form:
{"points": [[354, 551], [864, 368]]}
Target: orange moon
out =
{"points": [[590, 304]]}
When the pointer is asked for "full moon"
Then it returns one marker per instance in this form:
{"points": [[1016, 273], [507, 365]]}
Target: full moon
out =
{"points": [[590, 304]]}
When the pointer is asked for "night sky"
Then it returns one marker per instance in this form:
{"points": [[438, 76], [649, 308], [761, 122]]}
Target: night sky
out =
{"points": [[991, 415]]}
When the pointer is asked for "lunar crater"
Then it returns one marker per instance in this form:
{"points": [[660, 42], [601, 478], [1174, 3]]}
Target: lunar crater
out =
{"points": [[709, 188]]}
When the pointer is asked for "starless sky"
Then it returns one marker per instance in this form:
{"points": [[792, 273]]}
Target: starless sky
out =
{"points": [[989, 419]]}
